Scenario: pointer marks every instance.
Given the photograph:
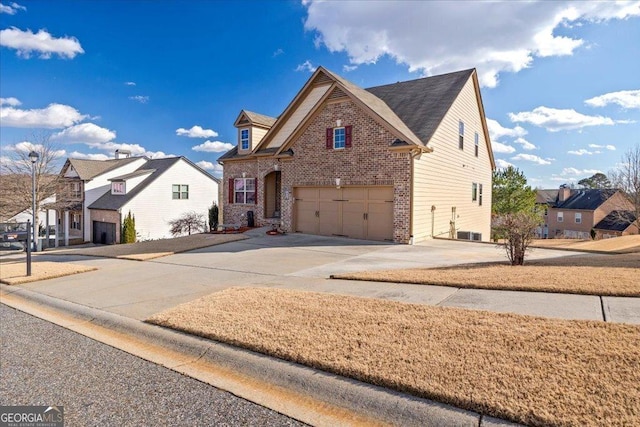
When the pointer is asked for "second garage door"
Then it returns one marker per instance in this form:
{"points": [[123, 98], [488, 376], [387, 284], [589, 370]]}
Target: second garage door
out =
{"points": [[356, 212]]}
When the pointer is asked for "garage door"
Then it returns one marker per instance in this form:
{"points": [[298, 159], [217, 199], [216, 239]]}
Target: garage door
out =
{"points": [[356, 212], [104, 233]]}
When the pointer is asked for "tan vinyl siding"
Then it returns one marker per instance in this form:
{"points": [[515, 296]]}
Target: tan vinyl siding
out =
{"points": [[444, 178], [256, 136], [297, 116]]}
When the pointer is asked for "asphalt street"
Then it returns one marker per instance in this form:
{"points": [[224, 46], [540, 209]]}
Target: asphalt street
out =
{"points": [[45, 364]]}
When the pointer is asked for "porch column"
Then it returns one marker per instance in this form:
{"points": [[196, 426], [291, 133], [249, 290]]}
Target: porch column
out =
{"points": [[57, 228], [66, 228]]}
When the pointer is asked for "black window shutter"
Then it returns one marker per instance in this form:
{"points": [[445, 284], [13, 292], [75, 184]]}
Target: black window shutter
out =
{"points": [[347, 136], [255, 187], [329, 138], [231, 191]]}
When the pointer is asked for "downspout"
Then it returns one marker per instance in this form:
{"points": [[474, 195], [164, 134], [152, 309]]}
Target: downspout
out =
{"points": [[413, 154]]}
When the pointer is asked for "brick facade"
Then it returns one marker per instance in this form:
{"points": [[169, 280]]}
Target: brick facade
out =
{"points": [[368, 162]]}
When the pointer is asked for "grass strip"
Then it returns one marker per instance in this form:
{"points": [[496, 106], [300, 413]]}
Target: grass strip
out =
{"points": [[15, 273], [624, 281], [531, 370]]}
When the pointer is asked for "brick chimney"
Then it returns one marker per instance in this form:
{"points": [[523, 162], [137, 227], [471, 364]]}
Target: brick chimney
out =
{"points": [[564, 193]]}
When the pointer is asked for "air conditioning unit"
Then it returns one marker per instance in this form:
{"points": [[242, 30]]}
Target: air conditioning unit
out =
{"points": [[469, 235]]}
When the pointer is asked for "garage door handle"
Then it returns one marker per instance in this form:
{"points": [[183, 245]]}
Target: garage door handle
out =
{"points": [[317, 214], [365, 216]]}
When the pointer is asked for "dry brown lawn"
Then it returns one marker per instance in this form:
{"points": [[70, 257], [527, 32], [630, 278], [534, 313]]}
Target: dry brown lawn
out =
{"points": [[530, 370], [589, 274], [151, 249], [15, 273], [617, 244]]}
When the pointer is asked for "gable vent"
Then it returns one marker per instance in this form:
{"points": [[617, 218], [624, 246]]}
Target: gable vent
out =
{"points": [[322, 78], [337, 93], [243, 121]]}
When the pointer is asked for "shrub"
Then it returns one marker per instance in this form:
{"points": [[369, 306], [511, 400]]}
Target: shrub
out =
{"points": [[187, 223], [213, 217], [128, 234]]}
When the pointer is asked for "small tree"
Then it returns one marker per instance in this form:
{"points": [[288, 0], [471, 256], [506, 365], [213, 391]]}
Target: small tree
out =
{"points": [[518, 230], [187, 223], [627, 178], [511, 193], [128, 234], [213, 217]]}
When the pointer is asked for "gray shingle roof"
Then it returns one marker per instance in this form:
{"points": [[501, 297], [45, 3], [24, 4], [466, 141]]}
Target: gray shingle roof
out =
{"points": [[589, 199], [112, 202], [89, 169], [616, 221], [260, 119], [422, 104], [547, 196]]}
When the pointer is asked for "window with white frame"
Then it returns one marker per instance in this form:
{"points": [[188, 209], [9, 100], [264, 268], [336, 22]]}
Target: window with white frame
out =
{"points": [[244, 190], [474, 192], [179, 191], [339, 138], [244, 139], [461, 135], [560, 216], [477, 142], [578, 218], [118, 187]]}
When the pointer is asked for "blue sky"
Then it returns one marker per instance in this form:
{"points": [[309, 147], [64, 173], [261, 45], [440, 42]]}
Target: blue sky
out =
{"points": [[561, 80]]}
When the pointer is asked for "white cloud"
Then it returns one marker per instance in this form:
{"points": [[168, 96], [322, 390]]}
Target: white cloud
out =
{"points": [[13, 102], [499, 147], [348, 68], [497, 131], [509, 41], [130, 83], [624, 98], [158, 155], [85, 133], [502, 164], [213, 147], [26, 146], [526, 145], [306, 66], [11, 9], [111, 147], [278, 52], [554, 120], [608, 147], [209, 166], [579, 172], [139, 98], [88, 156], [197, 132], [532, 158], [54, 116], [26, 42], [580, 152]]}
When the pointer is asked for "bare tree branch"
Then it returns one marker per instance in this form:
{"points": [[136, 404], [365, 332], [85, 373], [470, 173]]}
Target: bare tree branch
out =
{"points": [[626, 177]]}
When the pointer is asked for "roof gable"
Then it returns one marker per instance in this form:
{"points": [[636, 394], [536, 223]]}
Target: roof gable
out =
{"points": [[616, 221], [89, 169], [249, 118]]}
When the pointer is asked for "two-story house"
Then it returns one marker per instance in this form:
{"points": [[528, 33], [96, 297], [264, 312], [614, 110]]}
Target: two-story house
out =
{"points": [[97, 194], [575, 212], [401, 162]]}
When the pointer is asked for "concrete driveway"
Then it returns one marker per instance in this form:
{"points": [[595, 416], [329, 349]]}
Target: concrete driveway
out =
{"points": [[297, 261]]}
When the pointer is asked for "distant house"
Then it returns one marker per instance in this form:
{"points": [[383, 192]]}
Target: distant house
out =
{"points": [[155, 191], [159, 191], [573, 213], [402, 162]]}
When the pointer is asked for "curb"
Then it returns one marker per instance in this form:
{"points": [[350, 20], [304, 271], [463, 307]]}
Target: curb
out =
{"points": [[306, 394]]}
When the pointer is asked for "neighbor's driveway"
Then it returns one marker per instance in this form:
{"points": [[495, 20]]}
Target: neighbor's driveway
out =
{"points": [[139, 289]]}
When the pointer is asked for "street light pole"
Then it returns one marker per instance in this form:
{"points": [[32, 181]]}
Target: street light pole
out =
{"points": [[34, 156]]}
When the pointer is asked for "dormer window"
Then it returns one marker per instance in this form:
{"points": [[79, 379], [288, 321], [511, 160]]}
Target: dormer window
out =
{"points": [[118, 187], [244, 139]]}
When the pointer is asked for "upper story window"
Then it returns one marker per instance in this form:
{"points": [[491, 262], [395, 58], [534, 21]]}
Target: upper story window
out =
{"points": [[75, 190], [477, 142], [244, 139], [244, 190], [179, 191], [461, 135], [338, 137], [578, 218], [560, 216], [474, 192], [118, 187]]}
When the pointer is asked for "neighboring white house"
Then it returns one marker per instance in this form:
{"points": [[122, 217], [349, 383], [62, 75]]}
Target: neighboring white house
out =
{"points": [[156, 192]]}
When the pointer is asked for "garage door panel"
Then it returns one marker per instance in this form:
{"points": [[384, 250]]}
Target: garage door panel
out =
{"points": [[380, 221], [380, 194], [353, 224], [306, 221], [354, 193], [328, 193], [328, 218]]}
